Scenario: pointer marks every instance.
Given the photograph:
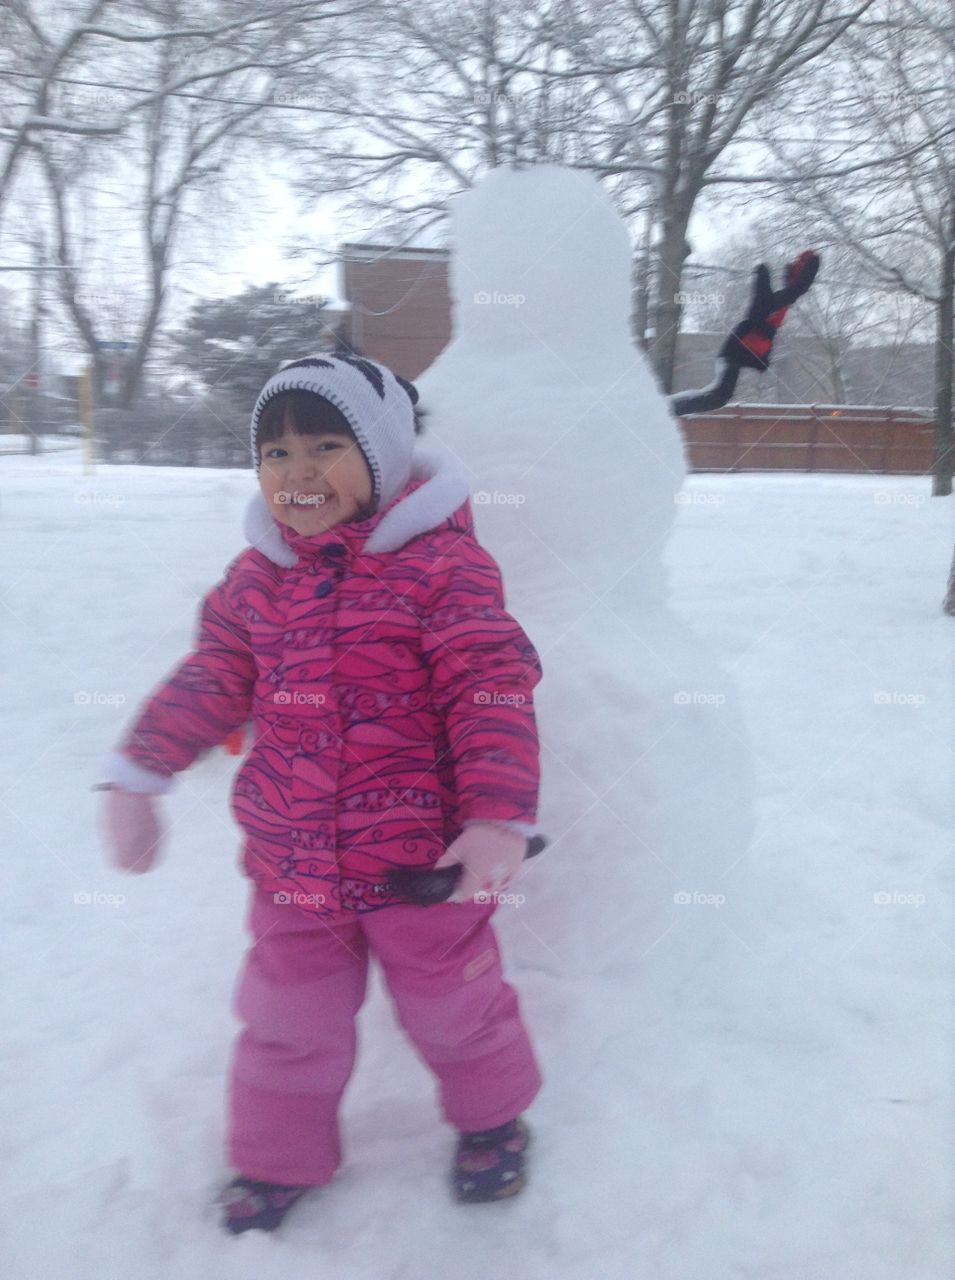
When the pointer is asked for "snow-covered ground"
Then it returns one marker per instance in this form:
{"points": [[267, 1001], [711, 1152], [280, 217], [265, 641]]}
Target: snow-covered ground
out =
{"points": [[785, 1115]]}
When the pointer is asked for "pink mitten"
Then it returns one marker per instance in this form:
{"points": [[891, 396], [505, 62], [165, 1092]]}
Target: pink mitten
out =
{"points": [[491, 857], [131, 829]]}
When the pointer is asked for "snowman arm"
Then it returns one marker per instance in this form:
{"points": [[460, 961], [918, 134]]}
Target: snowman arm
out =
{"points": [[750, 343], [712, 397]]}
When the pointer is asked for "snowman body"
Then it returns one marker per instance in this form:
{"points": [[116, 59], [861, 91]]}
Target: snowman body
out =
{"points": [[577, 468]]}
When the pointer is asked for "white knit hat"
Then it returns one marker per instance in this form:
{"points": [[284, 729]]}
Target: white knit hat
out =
{"points": [[377, 404]]}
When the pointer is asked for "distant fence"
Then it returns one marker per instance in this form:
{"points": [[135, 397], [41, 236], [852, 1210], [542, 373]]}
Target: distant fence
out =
{"points": [[208, 432], [841, 438], [739, 437], [52, 413], [174, 434]]}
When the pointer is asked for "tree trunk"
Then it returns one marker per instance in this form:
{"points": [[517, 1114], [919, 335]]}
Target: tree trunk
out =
{"points": [[668, 307], [133, 369], [35, 390], [948, 604], [942, 483], [641, 286]]}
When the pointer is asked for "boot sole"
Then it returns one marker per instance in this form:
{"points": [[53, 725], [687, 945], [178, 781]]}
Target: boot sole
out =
{"points": [[503, 1193], [267, 1220]]}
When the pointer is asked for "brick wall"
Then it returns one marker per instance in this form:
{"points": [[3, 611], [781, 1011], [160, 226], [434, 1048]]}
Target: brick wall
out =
{"points": [[400, 304]]}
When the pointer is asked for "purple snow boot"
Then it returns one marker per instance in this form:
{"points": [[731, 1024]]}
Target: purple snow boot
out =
{"points": [[490, 1165], [250, 1203]]}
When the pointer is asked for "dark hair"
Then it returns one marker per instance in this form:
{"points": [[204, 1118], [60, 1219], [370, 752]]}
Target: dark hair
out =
{"points": [[310, 415]]}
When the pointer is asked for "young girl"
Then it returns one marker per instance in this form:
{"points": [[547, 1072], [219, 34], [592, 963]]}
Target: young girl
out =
{"points": [[364, 634]]}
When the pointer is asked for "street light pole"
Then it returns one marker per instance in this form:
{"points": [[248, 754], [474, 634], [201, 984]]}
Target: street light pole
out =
{"points": [[33, 377]]}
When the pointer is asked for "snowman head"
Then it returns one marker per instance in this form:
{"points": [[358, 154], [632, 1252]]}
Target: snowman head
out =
{"points": [[543, 390], [540, 253]]}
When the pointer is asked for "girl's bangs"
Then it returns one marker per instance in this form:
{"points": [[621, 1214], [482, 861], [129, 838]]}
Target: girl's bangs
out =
{"points": [[308, 415]]}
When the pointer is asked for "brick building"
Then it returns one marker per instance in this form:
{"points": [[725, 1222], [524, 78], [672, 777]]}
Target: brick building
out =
{"points": [[400, 304]]}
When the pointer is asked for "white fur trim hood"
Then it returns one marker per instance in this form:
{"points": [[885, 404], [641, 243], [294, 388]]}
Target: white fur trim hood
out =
{"points": [[445, 488]]}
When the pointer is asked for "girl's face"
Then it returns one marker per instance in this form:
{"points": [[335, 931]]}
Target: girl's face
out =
{"points": [[313, 482]]}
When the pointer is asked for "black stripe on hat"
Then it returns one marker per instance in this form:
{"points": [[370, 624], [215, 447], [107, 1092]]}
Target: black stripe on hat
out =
{"points": [[367, 368]]}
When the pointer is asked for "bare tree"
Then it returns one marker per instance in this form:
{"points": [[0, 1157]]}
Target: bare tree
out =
{"points": [[45, 45], [444, 92], [707, 66], [172, 148], [650, 95]]}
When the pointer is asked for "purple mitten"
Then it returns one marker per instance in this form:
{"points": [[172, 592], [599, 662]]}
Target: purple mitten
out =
{"points": [[131, 830]]}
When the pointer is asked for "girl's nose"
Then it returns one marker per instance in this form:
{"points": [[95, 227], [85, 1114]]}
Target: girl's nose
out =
{"points": [[307, 469]]}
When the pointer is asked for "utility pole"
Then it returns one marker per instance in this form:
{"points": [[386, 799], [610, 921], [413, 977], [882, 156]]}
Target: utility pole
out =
{"points": [[32, 379]]}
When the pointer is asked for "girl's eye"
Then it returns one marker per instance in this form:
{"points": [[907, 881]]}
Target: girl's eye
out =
{"points": [[325, 444]]}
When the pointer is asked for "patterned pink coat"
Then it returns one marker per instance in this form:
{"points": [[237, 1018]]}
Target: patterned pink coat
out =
{"points": [[390, 695]]}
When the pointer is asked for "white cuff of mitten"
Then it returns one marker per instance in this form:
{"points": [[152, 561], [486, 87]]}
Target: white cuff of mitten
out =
{"points": [[527, 829], [130, 776]]}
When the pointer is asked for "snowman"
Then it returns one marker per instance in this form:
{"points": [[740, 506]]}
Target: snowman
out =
{"points": [[578, 468]]}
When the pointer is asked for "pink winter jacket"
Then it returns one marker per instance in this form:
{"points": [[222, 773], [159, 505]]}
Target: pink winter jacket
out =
{"points": [[390, 695]]}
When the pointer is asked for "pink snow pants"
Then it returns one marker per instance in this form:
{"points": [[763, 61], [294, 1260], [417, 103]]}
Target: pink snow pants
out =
{"points": [[300, 988]]}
